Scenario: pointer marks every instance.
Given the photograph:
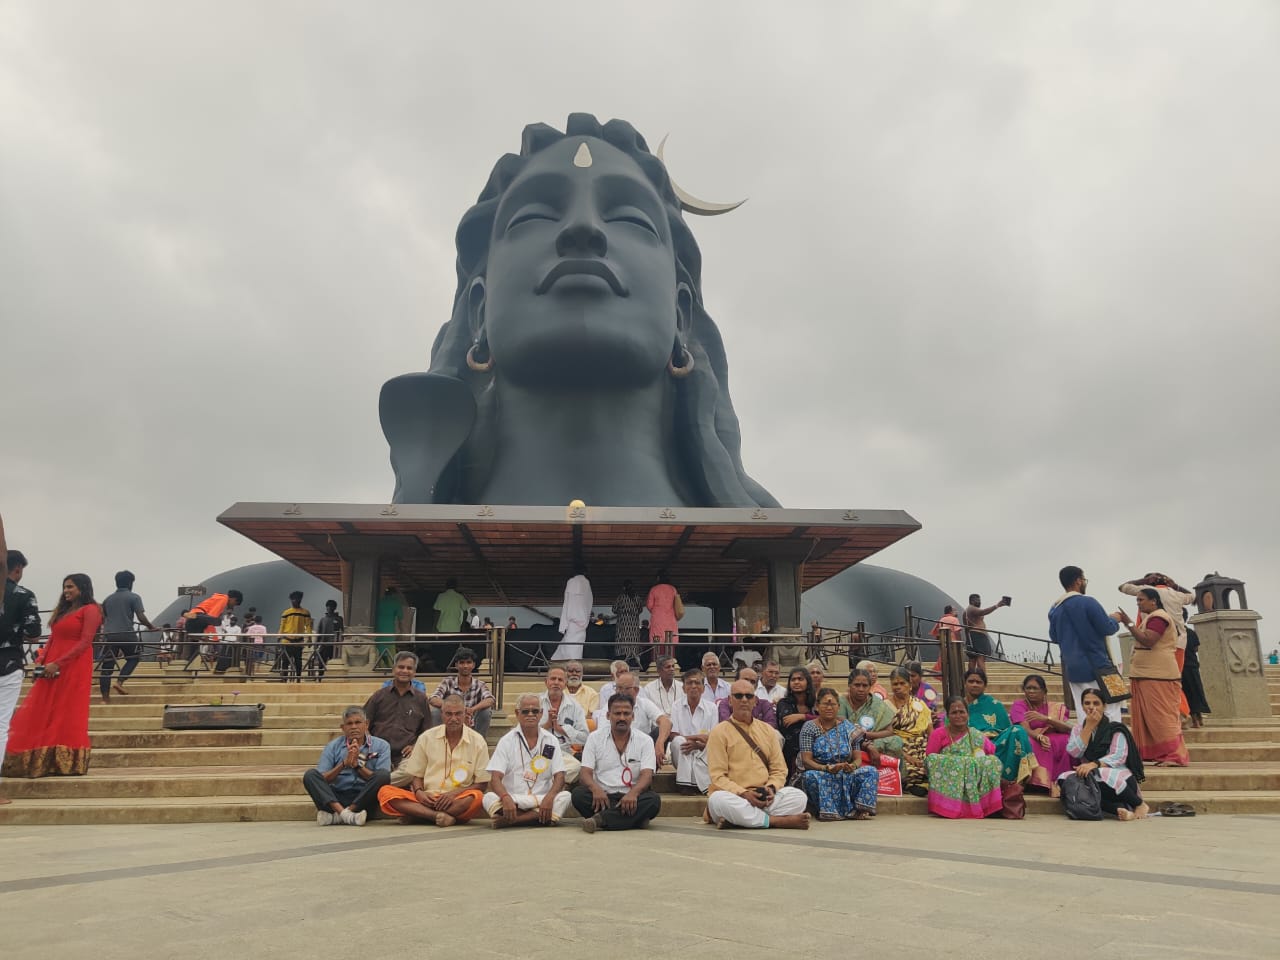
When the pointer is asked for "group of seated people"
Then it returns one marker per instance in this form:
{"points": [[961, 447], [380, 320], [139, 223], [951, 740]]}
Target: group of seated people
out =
{"points": [[764, 753]]}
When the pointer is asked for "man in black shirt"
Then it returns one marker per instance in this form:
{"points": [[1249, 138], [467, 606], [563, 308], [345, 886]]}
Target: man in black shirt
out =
{"points": [[19, 622], [399, 713]]}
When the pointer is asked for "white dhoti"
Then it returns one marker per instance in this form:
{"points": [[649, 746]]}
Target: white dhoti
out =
{"points": [[787, 802], [528, 801], [575, 614], [572, 768], [691, 768], [570, 647]]}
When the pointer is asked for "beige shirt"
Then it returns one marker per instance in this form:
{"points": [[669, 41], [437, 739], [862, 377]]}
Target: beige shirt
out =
{"points": [[734, 766], [442, 767], [588, 699]]}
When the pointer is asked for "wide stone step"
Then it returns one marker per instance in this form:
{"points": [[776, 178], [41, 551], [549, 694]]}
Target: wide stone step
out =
{"points": [[300, 757], [183, 739], [152, 723], [232, 808]]}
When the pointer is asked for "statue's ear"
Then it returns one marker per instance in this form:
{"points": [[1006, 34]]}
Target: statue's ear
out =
{"points": [[475, 308], [684, 309]]}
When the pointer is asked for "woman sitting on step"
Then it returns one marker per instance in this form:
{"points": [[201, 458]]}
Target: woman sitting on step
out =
{"points": [[989, 717], [964, 775], [1105, 750], [912, 721], [839, 788]]}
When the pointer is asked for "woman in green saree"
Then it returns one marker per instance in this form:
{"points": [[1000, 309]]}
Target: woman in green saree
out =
{"points": [[989, 717]]}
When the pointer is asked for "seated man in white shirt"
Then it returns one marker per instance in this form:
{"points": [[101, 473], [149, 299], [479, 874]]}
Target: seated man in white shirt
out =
{"points": [[618, 763], [564, 719], [692, 720], [716, 689], [526, 773], [645, 716], [769, 688], [748, 773], [665, 691], [610, 687]]}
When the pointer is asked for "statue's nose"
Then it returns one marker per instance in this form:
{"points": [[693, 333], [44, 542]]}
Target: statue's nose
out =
{"points": [[582, 236]]}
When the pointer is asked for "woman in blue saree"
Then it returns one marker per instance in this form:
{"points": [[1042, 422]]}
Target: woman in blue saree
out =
{"points": [[830, 756], [989, 717]]}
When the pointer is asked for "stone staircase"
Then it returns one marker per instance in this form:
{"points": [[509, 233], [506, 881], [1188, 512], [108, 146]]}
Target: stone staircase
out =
{"points": [[142, 773]]}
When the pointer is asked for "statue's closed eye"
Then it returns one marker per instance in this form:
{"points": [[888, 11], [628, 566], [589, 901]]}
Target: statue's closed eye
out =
{"points": [[531, 213], [632, 216]]}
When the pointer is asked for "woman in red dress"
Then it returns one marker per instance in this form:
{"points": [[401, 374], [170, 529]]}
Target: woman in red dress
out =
{"points": [[50, 731]]}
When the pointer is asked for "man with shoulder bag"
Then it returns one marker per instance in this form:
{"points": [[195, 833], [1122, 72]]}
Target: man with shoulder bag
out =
{"points": [[1080, 626], [19, 622]]}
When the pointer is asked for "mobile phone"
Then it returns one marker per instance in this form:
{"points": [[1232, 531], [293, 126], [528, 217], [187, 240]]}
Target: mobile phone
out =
{"points": [[1007, 601]]}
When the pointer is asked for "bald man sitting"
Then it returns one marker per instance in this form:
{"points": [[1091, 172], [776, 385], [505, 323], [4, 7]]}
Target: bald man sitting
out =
{"points": [[748, 774]]}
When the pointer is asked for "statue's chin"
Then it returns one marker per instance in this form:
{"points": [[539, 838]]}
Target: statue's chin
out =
{"points": [[570, 366]]}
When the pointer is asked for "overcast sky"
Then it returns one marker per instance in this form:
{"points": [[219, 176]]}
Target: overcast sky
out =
{"points": [[1010, 267]]}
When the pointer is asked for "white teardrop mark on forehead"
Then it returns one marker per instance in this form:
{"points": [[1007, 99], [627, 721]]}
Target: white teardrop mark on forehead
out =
{"points": [[583, 157]]}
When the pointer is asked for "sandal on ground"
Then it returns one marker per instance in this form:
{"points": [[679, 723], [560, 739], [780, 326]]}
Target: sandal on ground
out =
{"points": [[1177, 810]]}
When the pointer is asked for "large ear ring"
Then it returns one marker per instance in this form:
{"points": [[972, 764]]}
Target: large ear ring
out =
{"points": [[479, 349], [680, 363], [479, 358]]}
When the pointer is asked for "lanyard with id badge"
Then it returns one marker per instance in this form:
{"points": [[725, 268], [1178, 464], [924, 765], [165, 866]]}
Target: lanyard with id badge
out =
{"points": [[538, 763]]}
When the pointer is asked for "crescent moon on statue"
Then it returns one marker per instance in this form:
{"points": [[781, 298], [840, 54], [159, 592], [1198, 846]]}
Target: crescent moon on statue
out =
{"points": [[691, 204]]}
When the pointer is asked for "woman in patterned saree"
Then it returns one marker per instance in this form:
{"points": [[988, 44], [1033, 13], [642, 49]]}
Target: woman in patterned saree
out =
{"points": [[964, 774], [830, 754], [912, 721], [989, 717], [50, 731], [1046, 724]]}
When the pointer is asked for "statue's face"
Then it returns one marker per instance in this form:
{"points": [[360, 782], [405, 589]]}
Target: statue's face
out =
{"points": [[581, 279]]}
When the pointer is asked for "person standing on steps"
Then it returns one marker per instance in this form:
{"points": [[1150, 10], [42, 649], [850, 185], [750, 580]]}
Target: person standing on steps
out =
{"points": [[119, 612], [295, 632], [975, 622]]}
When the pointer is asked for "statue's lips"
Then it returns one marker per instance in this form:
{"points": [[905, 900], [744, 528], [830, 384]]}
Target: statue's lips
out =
{"points": [[590, 268]]}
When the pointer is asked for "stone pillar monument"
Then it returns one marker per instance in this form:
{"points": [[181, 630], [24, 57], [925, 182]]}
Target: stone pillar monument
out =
{"points": [[1230, 651]]}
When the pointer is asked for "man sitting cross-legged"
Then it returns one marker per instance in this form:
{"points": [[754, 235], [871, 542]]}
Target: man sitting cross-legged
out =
{"points": [[747, 771], [617, 769], [692, 720], [527, 772], [344, 784], [446, 764]]}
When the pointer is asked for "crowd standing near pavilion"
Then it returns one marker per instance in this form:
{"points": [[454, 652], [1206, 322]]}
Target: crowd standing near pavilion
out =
{"points": [[766, 750]]}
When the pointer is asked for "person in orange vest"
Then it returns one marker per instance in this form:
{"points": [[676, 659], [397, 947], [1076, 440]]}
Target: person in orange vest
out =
{"points": [[205, 616]]}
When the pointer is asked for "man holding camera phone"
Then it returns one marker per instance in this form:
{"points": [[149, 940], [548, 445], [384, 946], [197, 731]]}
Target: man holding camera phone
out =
{"points": [[748, 772], [975, 621]]}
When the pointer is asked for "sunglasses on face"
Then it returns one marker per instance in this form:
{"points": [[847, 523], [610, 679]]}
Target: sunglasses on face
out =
{"points": [[530, 713], [743, 696]]}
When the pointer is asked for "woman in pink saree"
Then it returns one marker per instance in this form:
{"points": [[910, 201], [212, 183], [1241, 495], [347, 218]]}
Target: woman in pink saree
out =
{"points": [[1046, 724]]}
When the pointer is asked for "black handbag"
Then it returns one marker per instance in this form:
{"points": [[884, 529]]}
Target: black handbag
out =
{"points": [[1081, 797], [1111, 684]]}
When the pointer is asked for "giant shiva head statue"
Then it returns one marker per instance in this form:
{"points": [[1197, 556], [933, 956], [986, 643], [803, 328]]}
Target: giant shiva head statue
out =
{"points": [[578, 333]]}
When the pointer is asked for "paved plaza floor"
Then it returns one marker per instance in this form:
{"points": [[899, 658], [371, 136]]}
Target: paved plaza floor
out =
{"points": [[1202, 887]]}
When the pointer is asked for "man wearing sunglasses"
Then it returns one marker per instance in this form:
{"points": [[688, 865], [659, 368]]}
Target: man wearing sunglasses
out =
{"points": [[526, 782], [748, 773]]}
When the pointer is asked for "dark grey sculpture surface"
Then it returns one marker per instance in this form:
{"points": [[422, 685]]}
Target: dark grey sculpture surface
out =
{"points": [[579, 362]]}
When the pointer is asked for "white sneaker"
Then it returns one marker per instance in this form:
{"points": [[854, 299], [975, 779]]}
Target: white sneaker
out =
{"points": [[326, 818], [353, 819]]}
